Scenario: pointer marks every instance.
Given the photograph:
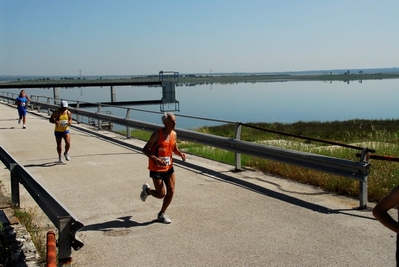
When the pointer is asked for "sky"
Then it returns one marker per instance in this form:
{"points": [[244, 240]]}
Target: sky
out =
{"points": [[141, 37]]}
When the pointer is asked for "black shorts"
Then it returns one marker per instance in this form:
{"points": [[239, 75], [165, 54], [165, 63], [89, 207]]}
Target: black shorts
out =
{"points": [[162, 175]]}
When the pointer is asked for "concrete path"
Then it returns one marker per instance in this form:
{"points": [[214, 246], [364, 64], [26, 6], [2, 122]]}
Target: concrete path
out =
{"points": [[219, 218]]}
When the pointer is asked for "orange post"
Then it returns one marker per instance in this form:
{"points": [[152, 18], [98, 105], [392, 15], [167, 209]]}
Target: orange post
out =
{"points": [[51, 256]]}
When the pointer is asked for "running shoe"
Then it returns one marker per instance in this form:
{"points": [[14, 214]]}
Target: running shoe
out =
{"points": [[60, 160], [162, 217], [67, 157], [19, 121], [144, 194], [23, 127]]}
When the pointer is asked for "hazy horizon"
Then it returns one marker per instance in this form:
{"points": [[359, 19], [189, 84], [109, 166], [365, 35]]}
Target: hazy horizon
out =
{"points": [[364, 71]]}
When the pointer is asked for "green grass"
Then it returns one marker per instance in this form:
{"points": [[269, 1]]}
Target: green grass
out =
{"points": [[381, 135], [38, 234]]}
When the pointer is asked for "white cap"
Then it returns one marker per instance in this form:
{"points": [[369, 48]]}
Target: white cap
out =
{"points": [[64, 104]]}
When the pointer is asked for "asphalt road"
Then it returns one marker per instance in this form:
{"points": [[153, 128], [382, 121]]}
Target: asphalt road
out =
{"points": [[219, 217]]}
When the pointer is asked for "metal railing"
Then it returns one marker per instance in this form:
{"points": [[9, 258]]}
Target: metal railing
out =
{"points": [[342, 167], [67, 224]]}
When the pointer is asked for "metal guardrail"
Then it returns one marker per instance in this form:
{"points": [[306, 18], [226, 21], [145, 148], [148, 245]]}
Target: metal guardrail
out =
{"points": [[351, 169], [66, 223]]}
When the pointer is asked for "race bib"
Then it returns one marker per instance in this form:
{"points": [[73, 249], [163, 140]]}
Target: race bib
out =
{"points": [[23, 104], [166, 160], [63, 123]]}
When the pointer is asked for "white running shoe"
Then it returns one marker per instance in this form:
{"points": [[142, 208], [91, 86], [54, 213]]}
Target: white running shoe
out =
{"points": [[60, 160], [23, 127], [162, 217], [144, 194], [67, 157]]}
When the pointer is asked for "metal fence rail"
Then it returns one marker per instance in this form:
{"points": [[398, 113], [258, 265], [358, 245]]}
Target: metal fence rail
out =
{"points": [[351, 169], [66, 223]]}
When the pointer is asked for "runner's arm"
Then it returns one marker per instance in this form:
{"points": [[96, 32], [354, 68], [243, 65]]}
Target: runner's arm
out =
{"points": [[177, 151], [380, 211], [69, 118], [54, 117], [147, 149]]}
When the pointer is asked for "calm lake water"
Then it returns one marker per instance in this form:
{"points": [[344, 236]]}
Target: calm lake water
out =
{"points": [[284, 102]]}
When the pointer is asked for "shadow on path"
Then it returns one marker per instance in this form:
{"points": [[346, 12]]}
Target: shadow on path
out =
{"points": [[121, 222], [267, 192]]}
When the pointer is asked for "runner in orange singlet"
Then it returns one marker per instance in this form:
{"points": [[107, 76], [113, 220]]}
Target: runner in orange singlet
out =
{"points": [[159, 150]]}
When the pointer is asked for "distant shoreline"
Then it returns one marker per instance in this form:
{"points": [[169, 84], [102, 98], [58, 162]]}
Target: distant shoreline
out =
{"points": [[194, 79], [283, 78]]}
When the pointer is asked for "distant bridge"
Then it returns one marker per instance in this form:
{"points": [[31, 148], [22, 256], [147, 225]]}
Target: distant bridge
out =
{"points": [[76, 83], [168, 84]]}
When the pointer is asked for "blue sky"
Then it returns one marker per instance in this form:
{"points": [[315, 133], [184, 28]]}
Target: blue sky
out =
{"points": [[97, 37]]}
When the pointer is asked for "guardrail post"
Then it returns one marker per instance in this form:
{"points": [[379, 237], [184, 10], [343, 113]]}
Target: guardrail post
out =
{"points": [[99, 122], [36, 98], [128, 133], [15, 202], [32, 106], [64, 239], [363, 193], [238, 155], [48, 109], [363, 184], [77, 115]]}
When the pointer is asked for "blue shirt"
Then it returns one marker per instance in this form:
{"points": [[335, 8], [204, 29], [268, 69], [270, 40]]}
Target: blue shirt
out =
{"points": [[22, 101]]}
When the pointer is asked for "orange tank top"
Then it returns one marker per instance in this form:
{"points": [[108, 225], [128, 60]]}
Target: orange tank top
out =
{"points": [[163, 150]]}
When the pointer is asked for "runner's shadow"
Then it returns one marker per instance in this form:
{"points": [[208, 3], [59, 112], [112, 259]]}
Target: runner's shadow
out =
{"points": [[9, 119], [46, 164], [121, 222]]}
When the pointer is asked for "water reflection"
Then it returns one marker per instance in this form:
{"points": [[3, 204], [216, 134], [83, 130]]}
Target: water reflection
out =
{"points": [[284, 102]]}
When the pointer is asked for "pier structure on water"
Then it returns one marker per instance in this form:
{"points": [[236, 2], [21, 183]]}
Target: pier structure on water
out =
{"points": [[166, 79]]}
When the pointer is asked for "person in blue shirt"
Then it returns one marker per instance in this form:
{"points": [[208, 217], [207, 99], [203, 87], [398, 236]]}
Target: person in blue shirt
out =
{"points": [[22, 102]]}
